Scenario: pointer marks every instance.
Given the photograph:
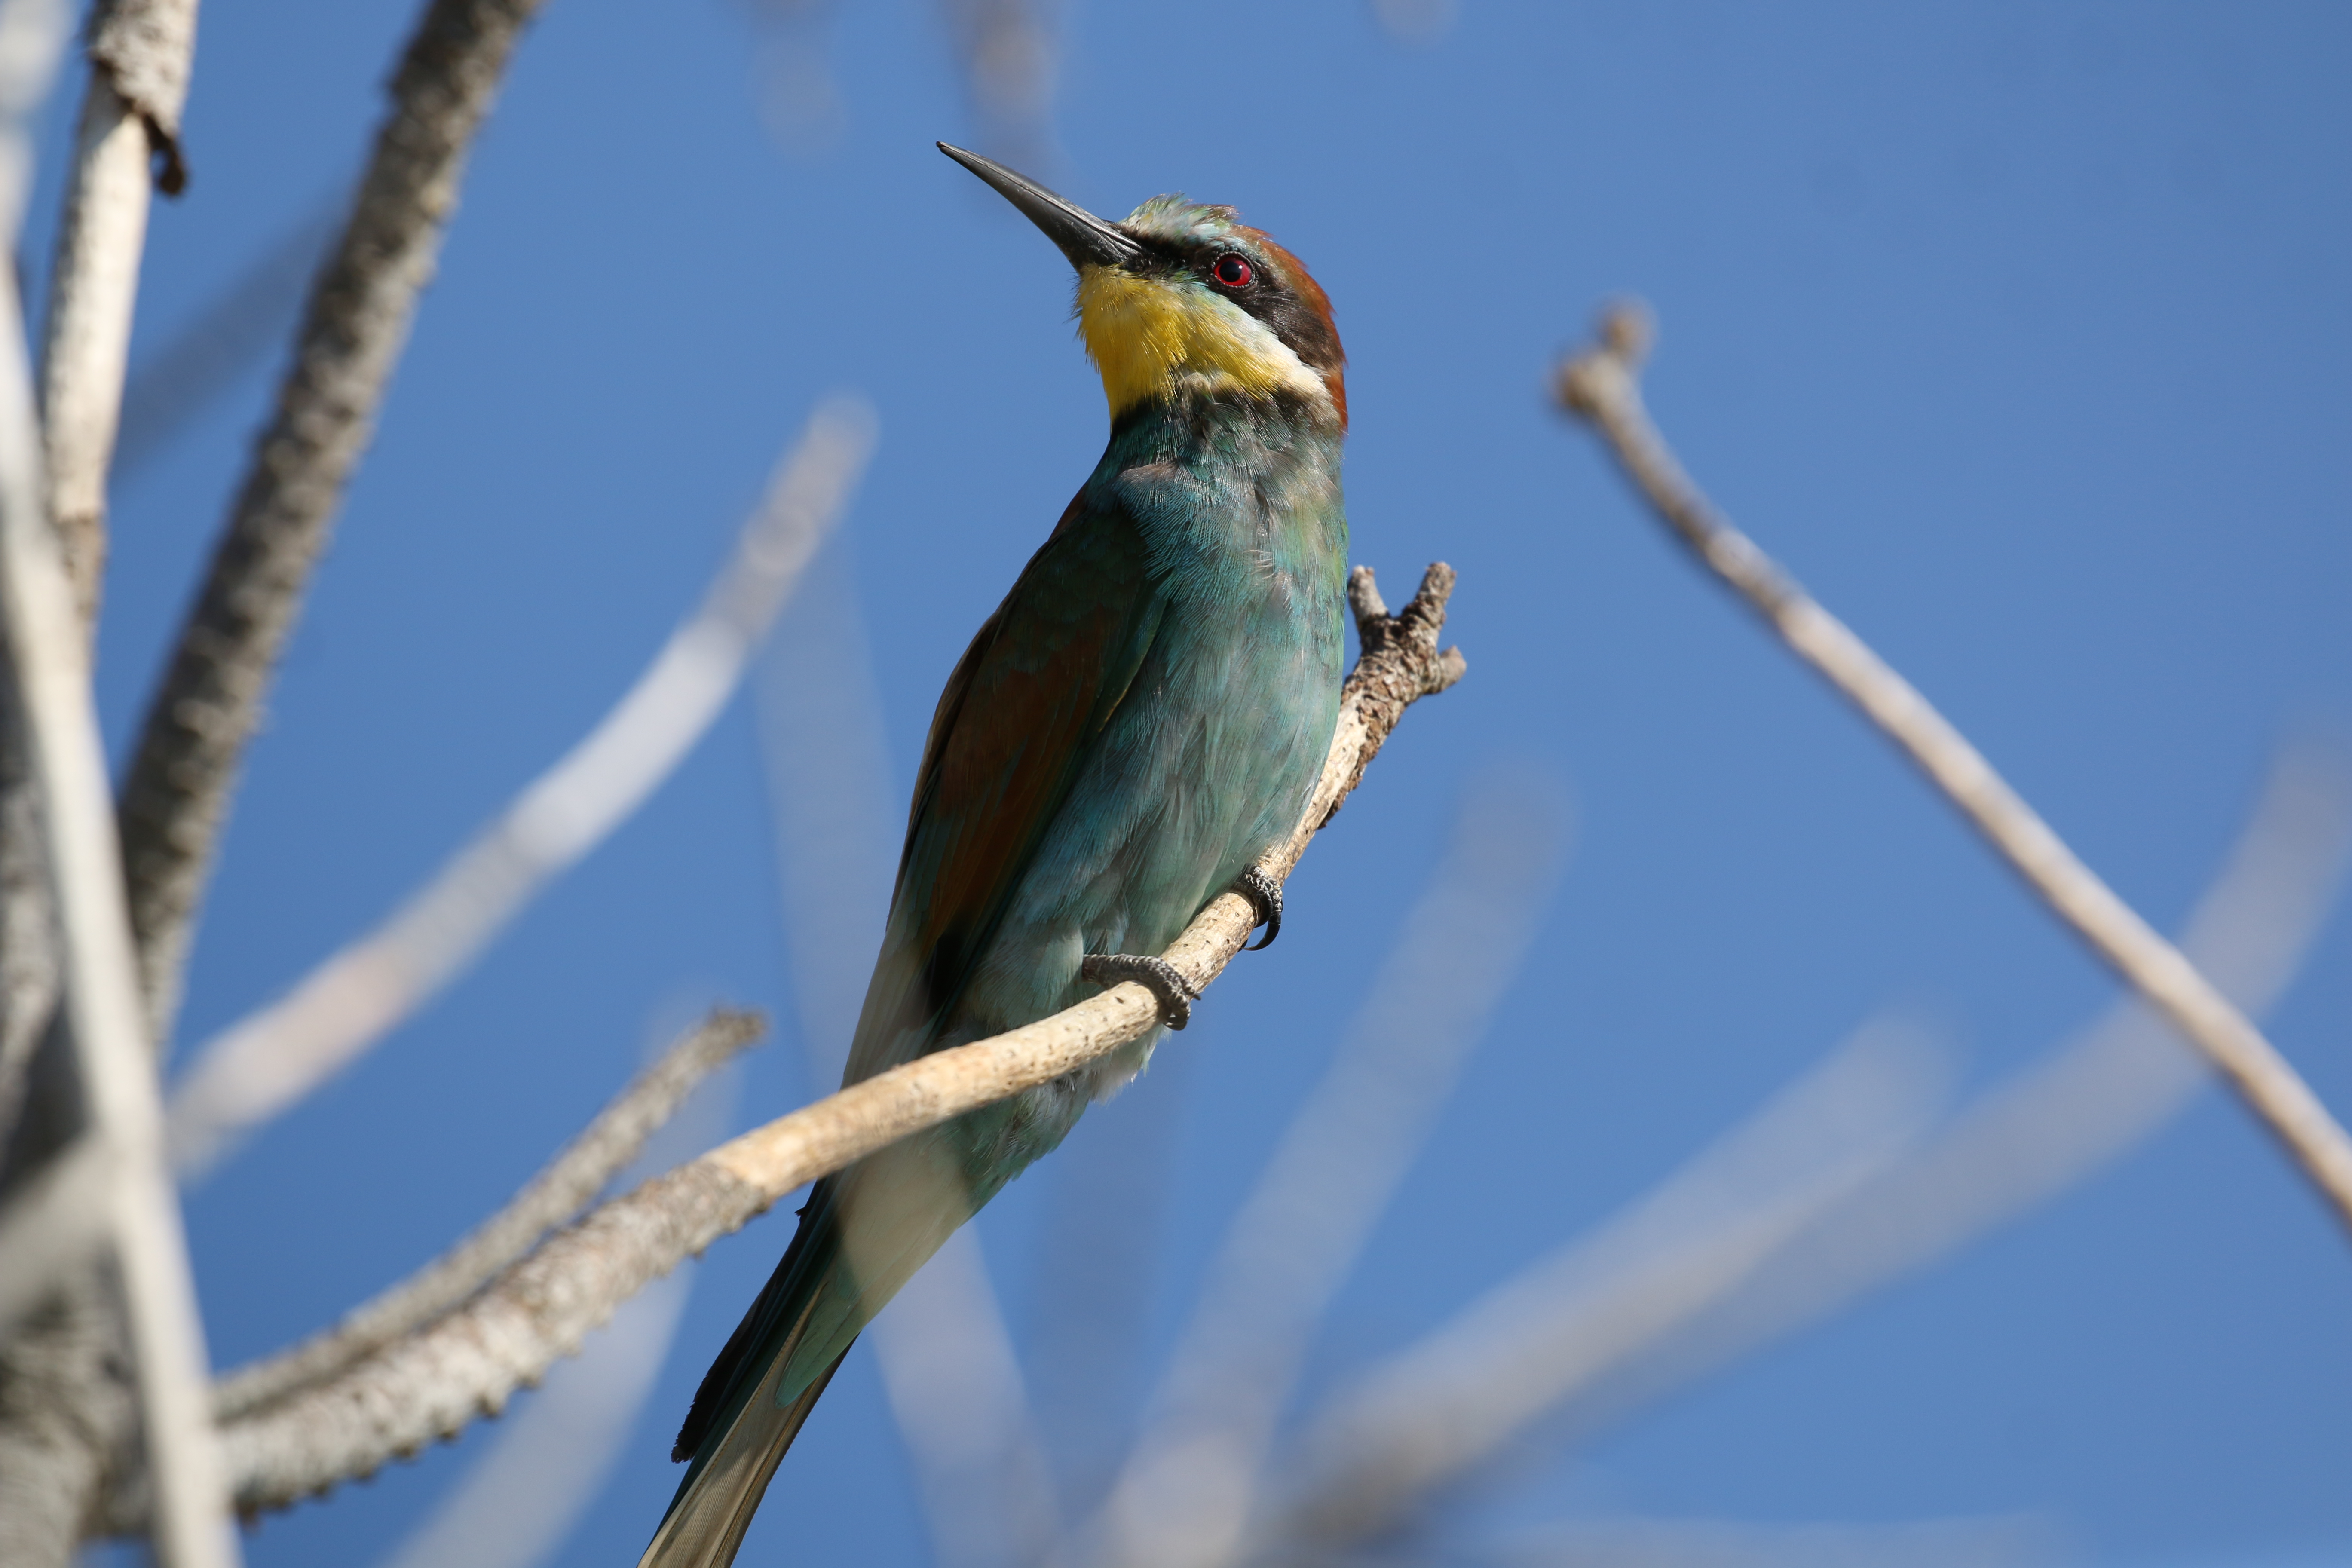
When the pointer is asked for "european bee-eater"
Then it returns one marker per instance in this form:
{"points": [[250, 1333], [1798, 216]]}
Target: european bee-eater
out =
{"points": [[1141, 719]]}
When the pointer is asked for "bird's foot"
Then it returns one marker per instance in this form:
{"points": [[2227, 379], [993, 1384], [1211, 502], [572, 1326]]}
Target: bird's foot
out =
{"points": [[1265, 895], [1155, 975]]}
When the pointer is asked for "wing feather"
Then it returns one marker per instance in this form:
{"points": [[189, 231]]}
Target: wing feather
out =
{"points": [[1026, 700]]}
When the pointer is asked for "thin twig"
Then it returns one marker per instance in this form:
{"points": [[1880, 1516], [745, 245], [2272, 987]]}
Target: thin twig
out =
{"points": [[176, 794], [470, 1363], [265, 1062], [1603, 385], [577, 1174], [48, 649], [140, 55], [1189, 1488]]}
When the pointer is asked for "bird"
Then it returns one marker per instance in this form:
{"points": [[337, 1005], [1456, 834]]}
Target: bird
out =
{"points": [[1144, 715]]}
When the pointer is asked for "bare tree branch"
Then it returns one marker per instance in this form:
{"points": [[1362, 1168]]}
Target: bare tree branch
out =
{"points": [[2012, 1149], [576, 1174], [265, 1062], [1188, 1489], [175, 795], [48, 654], [32, 34], [2075, 1112], [53, 1221], [1602, 385], [140, 54], [470, 1363], [528, 1488]]}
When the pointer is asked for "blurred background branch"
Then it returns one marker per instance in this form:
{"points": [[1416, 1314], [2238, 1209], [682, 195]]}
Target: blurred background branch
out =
{"points": [[175, 793], [1603, 387], [525, 1495], [260, 1066], [577, 1174]]}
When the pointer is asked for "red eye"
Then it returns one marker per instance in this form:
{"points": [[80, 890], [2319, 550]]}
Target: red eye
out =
{"points": [[1231, 270]]}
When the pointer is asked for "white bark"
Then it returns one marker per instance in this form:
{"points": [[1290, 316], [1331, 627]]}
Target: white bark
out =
{"points": [[46, 644]]}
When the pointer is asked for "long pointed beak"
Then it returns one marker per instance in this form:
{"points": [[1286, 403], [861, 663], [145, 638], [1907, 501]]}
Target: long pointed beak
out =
{"points": [[1085, 239]]}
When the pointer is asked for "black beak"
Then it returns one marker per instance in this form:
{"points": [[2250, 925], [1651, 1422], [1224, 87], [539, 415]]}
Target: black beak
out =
{"points": [[1085, 239]]}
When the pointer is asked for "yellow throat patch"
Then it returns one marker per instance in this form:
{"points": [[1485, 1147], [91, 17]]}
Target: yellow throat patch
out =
{"points": [[1144, 333]]}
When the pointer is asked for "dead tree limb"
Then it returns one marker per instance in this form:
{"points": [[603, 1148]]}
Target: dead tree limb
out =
{"points": [[1603, 387], [576, 1174], [140, 55], [48, 655]]}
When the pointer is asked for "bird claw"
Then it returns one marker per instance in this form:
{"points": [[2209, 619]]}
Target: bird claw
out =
{"points": [[1265, 895], [1155, 975]]}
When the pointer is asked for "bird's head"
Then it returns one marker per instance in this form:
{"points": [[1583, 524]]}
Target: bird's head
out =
{"points": [[1180, 297]]}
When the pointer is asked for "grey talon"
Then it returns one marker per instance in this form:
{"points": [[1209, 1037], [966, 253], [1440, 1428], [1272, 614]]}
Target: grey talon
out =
{"points": [[1265, 895], [1156, 975]]}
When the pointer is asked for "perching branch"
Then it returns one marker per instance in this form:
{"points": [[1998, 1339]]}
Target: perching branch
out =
{"points": [[470, 1363], [175, 795], [49, 667], [266, 1061], [576, 1174], [140, 55], [1603, 387]]}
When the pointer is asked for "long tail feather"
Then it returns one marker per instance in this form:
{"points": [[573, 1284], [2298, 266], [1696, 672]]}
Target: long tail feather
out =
{"points": [[705, 1523]]}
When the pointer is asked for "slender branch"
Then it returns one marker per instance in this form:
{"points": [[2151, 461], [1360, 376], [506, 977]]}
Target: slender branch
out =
{"points": [[175, 795], [576, 1174], [1376, 1458], [139, 52], [1187, 1488], [48, 649], [527, 1486], [470, 1363], [1602, 385], [265, 1062]]}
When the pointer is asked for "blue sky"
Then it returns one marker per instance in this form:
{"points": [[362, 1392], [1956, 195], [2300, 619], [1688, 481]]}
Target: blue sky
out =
{"points": [[2018, 332]]}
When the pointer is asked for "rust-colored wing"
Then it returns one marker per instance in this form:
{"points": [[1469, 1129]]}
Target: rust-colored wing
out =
{"points": [[1026, 701]]}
